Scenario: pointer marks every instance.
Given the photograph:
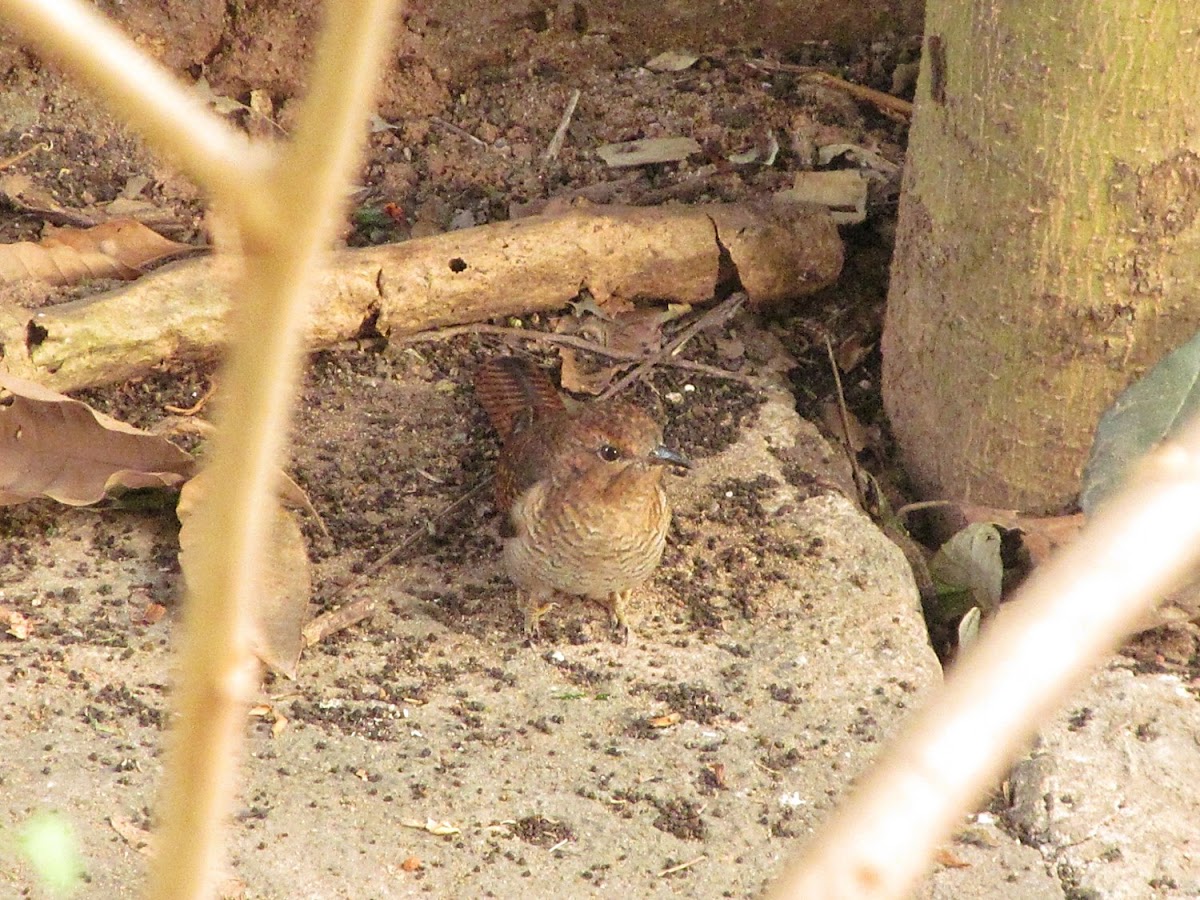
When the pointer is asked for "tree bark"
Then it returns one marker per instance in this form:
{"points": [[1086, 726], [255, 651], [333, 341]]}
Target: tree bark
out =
{"points": [[1048, 248]]}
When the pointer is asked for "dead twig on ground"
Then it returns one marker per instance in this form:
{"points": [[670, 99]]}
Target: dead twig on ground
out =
{"points": [[666, 356], [196, 407], [860, 481], [560, 133], [781, 251], [360, 609], [461, 132], [13, 160], [578, 343], [339, 619], [683, 865], [895, 108]]}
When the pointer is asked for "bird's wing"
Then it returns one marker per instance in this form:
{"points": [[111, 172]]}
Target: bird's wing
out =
{"points": [[514, 392]]}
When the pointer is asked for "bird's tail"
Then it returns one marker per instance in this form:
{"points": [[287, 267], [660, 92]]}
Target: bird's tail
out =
{"points": [[513, 392]]}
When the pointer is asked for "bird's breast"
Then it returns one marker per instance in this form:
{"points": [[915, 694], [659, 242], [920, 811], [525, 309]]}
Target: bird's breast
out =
{"points": [[589, 546]]}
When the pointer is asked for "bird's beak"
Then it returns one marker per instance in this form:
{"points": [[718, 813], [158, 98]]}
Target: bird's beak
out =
{"points": [[665, 456]]}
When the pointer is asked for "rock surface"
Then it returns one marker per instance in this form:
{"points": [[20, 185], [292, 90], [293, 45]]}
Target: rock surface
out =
{"points": [[1109, 795], [777, 648]]}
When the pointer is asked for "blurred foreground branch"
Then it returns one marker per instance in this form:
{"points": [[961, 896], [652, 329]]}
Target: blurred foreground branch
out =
{"points": [[1073, 612], [284, 208]]}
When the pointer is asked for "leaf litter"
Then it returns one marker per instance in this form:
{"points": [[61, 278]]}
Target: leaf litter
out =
{"points": [[56, 447], [120, 248], [52, 446]]}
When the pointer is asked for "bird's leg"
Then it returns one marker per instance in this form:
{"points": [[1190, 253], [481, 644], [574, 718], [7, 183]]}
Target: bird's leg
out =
{"points": [[536, 604], [616, 605]]}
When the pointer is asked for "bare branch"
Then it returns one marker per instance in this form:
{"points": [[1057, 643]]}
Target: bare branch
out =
{"points": [[149, 97], [1066, 619]]}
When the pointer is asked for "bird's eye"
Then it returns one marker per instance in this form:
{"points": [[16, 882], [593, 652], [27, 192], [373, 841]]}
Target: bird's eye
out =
{"points": [[609, 453]]}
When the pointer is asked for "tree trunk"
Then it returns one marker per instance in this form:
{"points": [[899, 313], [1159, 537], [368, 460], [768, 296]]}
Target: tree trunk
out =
{"points": [[1048, 247]]}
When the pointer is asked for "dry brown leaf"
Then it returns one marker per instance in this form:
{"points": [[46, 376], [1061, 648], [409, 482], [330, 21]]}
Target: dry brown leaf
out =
{"points": [[279, 722], [442, 829], [672, 61], [731, 348], [860, 435], [282, 607], [261, 123], [20, 192], [1042, 535], [626, 331], [292, 496], [152, 614], [53, 446], [120, 249], [950, 860], [718, 773], [851, 352], [134, 835], [14, 623], [582, 377], [127, 241], [220, 103]]}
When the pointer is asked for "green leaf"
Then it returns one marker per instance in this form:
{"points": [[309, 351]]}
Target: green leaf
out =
{"points": [[48, 842], [371, 217], [1150, 409]]}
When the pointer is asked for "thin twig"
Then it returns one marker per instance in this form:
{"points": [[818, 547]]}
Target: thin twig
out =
{"points": [[766, 768], [560, 133], [412, 537], [570, 340], [909, 508], [339, 619], [888, 104], [461, 132], [58, 217], [684, 865], [856, 473], [198, 405], [13, 160], [719, 313], [364, 607]]}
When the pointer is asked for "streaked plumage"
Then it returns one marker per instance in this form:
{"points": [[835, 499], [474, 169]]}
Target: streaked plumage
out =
{"points": [[587, 513]]}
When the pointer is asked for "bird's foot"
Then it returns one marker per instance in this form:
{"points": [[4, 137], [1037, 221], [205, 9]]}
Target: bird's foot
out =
{"points": [[622, 633], [533, 620]]}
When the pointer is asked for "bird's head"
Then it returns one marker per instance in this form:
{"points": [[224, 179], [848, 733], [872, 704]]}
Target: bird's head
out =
{"points": [[615, 443]]}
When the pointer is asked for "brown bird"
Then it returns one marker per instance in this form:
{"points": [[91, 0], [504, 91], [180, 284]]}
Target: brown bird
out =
{"points": [[587, 514]]}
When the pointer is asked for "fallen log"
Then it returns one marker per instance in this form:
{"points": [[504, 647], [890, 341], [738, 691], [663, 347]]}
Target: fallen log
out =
{"points": [[775, 251]]}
